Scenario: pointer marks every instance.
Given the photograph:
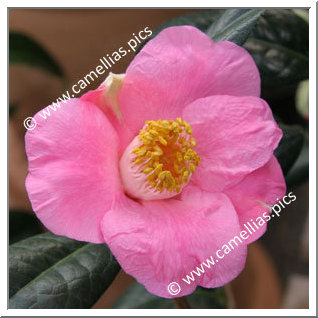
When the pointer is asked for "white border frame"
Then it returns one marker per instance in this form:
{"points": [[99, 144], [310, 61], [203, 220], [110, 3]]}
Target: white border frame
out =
{"points": [[312, 163]]}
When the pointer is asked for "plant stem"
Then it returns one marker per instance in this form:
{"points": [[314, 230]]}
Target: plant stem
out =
{"points": [[181, 303]]}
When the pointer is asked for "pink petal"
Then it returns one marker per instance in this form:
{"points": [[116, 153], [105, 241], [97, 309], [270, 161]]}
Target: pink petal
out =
{"points": [[234, 135], [180, 65], [159, 242], [97, 97], [73, 172], [253, 196]]}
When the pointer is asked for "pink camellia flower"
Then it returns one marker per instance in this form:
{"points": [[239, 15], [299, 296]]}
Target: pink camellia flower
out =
{"points": [[164, 164]]}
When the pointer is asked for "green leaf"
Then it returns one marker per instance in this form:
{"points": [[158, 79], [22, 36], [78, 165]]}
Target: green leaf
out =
{"points": [[49, 271], [201, 20], [30, 257], [279, 45], [136, 296], [234, 25], [204, 298], [13, 107], [289, 147], [299, 172], [23, 49], [22, 225]]}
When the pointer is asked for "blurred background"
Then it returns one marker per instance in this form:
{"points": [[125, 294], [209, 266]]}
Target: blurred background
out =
{"points": [[276, 275]]}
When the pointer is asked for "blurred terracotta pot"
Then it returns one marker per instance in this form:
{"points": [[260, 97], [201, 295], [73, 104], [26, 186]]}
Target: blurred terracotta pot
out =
{"points": [[258, 286]]}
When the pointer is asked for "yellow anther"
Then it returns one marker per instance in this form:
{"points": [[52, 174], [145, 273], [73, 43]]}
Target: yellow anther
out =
{"points": [[153, 132], [151, 177], [157, 164], [135, 150], [179, 157], [174, 125], [169, 167], [162, 175], [148, 154], [168, 174], [191, 167], [148, 137], [158, 168], [146, 141], [189, 131], [139, 160], [162, 140], [176, 168], [185, 144], [185, 179], [158, 149], [147, 170]]}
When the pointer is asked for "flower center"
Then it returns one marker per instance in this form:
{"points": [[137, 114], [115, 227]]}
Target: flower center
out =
{"points": [[161, 157]]}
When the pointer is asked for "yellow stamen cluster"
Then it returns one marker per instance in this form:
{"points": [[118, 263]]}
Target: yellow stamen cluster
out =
{"points": [[165, 153]]}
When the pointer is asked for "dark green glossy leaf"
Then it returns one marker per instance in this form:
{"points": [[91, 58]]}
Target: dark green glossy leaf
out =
{"points": [[24, 50], [204, 298], [279, 45], [234, 25], [13, 107], [49, 271], [289, 147], [22, 225], [299, 172], [30, 257], [136, 296], [201, 20]]}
